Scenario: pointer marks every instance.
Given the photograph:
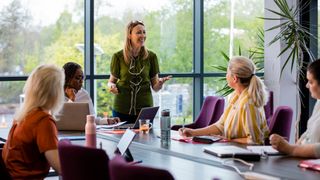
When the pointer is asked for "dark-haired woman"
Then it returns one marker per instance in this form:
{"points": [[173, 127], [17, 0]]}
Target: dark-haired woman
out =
{"points": [[75, 93], [309, 143]]}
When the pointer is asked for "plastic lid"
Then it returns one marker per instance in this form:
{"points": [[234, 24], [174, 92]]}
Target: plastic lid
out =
{"points": [[165, 112]]}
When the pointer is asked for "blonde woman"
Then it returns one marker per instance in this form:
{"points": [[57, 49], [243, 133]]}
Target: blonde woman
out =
{"points": [[243, 120], [32, 145], [133, 70]]}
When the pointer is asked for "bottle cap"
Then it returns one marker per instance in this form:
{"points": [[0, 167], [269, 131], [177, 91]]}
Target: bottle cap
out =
{"points": [[165, 112], [90, 118]]}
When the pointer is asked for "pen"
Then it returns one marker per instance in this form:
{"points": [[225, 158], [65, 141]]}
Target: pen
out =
{"points": [[135, 162], [184, 121]]}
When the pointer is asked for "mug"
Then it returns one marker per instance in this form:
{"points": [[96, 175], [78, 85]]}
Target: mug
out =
{"points": [[145, 125]]}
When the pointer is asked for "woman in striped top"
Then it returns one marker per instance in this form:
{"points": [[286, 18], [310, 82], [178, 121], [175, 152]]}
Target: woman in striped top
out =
{"points": [[243, 120]]}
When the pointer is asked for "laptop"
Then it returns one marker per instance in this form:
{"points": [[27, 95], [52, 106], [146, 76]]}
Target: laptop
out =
{"points": [[72, 116], [145, 113]]}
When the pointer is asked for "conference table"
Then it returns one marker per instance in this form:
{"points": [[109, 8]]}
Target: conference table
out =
{"points": [[186, 160]]}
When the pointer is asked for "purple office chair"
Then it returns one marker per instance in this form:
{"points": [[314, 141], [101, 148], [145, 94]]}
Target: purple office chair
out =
{"points": [[268, 108], [121, 170], [4, 174], [78, 162], [281, 122], [210, 113]]}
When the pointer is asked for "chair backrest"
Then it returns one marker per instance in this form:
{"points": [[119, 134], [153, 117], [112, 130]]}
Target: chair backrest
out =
{"points": [[268, 108], [281, 121], [121, 170], [4, 174], [210, 112], [78, 162]]}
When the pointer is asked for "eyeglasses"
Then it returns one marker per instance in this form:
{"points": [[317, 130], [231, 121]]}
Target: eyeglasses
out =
{"points": [[135, 23]]}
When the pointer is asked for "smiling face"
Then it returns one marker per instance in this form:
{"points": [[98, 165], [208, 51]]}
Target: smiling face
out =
{"points": [[138, 36], [313, 86]]}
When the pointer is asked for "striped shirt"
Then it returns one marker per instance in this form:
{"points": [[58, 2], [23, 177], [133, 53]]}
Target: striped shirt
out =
{"points": [[242, 119]]}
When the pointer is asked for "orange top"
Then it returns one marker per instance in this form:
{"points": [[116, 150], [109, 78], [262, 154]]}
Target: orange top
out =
{"points": [[27, 141]]}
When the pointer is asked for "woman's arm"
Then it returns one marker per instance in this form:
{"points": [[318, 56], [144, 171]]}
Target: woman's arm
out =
{"points": [[52, 157], [112, 84], [241, 140], [209, 130], [280, 144], [157, 82]]}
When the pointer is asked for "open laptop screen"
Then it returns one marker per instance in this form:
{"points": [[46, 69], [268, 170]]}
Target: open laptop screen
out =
{"points": [[145, 113]]}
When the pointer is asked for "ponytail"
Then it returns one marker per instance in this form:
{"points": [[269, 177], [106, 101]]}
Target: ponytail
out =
{"points": [[245, 69], [257, 91]]}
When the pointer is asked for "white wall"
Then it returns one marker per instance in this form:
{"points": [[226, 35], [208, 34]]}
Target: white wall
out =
{"points": [[284, 88]]}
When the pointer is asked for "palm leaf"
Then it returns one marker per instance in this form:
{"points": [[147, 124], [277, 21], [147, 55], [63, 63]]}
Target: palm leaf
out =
{"points": [[294, 34]]}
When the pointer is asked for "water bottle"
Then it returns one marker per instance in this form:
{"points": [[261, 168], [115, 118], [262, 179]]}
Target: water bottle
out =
{"points": [[165, 126], [90, 131]]}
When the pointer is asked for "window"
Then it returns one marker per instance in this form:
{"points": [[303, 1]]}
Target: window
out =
{"points": [[53, 32], [228, 27], [34, 32]]}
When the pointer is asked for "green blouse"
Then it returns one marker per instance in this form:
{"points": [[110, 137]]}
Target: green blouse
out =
{"points": [[134, 81]]}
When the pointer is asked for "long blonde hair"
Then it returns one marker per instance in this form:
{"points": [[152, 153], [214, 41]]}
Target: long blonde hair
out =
{"points": [[43, 89], [127, 50], [245, 70]]}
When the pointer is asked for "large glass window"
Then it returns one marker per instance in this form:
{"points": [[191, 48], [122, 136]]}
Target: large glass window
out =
{"points": [[10, 96], [230, 26], [34, 32], [169, 26]]}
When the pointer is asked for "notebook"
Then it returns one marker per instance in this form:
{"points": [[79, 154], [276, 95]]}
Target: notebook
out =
{"points": [[232, 152], [145, 113], [269, 150], [72, 116], [313, 164]]}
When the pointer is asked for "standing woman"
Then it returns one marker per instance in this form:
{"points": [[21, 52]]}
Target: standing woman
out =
{"points": [[133, 70], [243, 120], [32, 145]]}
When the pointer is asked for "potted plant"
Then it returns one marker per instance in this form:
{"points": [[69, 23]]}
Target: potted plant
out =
{"points": [[256, 54], [292, 33], [295, 37]]}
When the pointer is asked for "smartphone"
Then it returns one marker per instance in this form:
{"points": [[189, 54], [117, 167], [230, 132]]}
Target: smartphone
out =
{"points": [[206, 139]]}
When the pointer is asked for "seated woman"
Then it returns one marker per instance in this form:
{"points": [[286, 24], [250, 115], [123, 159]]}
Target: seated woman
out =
{"points": [[309, 143], [32, 145], [75, 93], [243, 120]]}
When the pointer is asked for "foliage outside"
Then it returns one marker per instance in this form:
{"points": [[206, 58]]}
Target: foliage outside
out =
{"points": [[24, 45]]}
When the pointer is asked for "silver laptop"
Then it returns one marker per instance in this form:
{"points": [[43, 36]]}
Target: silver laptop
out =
{"points": [[145, 113], [72, 116]]}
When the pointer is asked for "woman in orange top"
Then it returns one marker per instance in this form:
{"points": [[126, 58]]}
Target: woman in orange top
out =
{"points": [[32, 145]]}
